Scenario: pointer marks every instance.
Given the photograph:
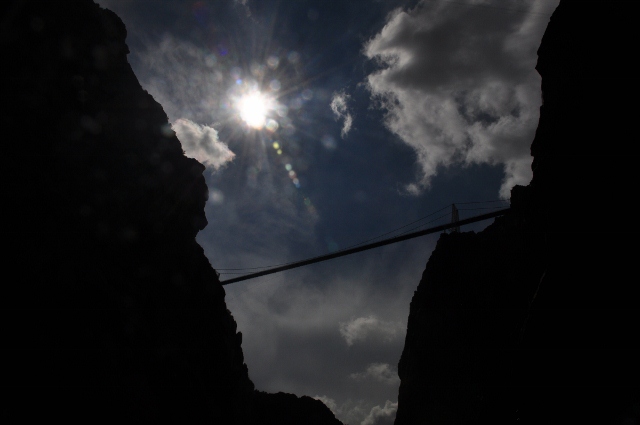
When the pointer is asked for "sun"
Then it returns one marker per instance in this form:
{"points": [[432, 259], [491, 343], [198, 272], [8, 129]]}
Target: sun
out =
{"points": [[253, 109]]}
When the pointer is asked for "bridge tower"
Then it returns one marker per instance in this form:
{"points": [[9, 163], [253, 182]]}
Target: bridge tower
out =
{"points": [[454, 219]]}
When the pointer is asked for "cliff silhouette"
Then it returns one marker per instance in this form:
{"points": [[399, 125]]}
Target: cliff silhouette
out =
{"points": [[110, 309], [535, 319]]}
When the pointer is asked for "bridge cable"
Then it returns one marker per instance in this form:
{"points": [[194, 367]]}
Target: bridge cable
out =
{"points": [[369, 246], [234, 271]]}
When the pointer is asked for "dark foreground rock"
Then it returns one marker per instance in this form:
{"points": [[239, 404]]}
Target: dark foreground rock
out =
{"points": [[109, 308], [536, 319]]}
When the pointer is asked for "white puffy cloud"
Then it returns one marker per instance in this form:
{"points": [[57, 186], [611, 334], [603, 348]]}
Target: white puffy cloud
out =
{"points": [[381, 372], [385, 415], [341, 111], [201, 142], [458, 83], [362, 328]]}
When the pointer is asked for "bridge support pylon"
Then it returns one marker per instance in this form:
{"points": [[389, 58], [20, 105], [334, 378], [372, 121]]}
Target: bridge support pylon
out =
{"points": [[454, 219]]}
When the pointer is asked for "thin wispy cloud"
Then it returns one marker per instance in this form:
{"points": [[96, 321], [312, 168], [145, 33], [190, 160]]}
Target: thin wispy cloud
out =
{"points": [[341, 111], [245, 6], [189, 82], [381, 372], [458, 84], [358, 413]]}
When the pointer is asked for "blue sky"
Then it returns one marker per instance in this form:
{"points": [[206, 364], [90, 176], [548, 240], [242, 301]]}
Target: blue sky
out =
{"points": [[377, 113]]}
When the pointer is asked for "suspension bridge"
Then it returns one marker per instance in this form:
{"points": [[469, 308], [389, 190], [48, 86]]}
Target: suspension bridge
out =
{"points": [[453, 226]]}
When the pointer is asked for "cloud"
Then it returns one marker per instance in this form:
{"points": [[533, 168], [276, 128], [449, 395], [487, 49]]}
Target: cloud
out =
{"points": [[458, 84], [329, 402], [201, 142], [189, 81], [381, 372], [290, 323], [354, 412], [363, 328], [190, 85], [341, 111], [382, 415]]}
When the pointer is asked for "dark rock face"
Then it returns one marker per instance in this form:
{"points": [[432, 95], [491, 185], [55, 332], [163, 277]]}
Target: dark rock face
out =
{"points": [[110, 309], [535, 319], [467, 318]]}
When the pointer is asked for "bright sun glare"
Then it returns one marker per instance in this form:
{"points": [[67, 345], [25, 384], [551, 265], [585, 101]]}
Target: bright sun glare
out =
{"points": [[253, 109]]}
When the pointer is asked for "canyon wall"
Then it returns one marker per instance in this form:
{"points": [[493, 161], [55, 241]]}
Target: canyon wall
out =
{"points": [[535, 319], [110, 309]]}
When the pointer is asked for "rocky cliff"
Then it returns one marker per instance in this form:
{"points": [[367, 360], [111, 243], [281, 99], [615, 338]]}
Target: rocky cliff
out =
{"points": [[535, 319], [110, 309]]}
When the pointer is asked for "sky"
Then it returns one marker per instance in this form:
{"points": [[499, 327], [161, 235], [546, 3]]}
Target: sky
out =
{"points": [[325, 124]]}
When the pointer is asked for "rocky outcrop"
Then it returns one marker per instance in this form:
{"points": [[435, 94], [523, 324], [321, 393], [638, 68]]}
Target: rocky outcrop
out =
{"points": [[534, 319], [467, 319], [110, 309]]}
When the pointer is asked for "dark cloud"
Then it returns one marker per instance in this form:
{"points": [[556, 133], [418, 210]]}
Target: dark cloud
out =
{"points": [[382, 415], [295, 326], [362, 328], [358, 413], [381, 372]]}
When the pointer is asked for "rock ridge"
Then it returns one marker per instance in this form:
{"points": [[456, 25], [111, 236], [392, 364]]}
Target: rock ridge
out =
{"points": [[109, 309], [531, 320]]}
